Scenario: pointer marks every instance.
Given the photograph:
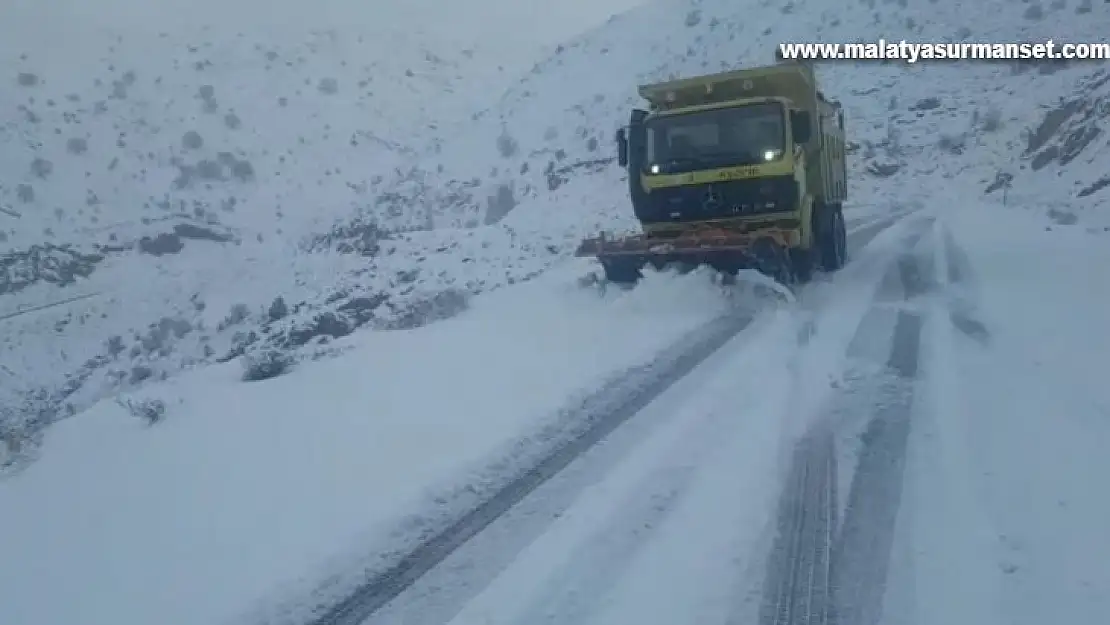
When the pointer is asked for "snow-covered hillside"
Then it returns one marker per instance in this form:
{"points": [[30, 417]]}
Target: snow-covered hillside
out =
{"points": [[262, 118], [162, 162], [392, 234]]}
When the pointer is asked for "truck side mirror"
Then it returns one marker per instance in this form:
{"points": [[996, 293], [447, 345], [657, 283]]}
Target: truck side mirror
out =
{"points": [[802, 124], [622, 148]]}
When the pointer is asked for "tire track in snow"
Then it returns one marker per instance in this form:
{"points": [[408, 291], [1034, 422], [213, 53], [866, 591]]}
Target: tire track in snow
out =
{"points": [[655, 436], [578, 587], [862, 552], [607, 410], [961, 283], [798, 584], [863, 233], [806, 566], [604, 412], [861, 555], [935, 573]]}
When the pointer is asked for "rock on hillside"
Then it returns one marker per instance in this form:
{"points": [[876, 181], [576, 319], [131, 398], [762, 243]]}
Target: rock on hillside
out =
{"points": [[1071, 144]]}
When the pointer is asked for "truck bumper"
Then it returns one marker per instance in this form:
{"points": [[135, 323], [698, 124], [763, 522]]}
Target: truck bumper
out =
{"points": [[693, 243]]}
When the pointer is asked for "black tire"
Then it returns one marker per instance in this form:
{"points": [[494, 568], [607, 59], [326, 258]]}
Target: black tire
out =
{"points": [[783, 269], [803, 264], [773, 260], [622, 271], [786, 275], [842, 232], [833, 243]]}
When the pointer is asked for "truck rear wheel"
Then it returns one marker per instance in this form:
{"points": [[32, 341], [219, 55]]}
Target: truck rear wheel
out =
{"points": [[833, 245], [841, 238]]}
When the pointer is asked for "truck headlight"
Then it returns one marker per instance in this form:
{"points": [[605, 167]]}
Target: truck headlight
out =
{"points": [[770, 155]]}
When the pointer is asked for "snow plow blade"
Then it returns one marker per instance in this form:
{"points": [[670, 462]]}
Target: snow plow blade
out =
{"points": [[726, 251]]}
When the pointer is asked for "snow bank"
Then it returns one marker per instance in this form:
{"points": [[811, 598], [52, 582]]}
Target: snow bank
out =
{"points": [[243, 488]]}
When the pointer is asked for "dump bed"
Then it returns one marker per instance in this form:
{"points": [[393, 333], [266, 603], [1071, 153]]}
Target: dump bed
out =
{"points": [[787, 80]]}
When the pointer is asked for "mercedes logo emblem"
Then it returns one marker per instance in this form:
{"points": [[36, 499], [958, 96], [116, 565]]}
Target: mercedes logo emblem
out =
{"points": [[711, 200]]}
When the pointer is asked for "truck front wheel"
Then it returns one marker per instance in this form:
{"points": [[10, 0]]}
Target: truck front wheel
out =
{"points": [[802, 260], [622, 271]]}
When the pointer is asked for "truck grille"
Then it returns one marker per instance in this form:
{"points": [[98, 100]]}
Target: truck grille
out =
{"points": [[736, 198]]}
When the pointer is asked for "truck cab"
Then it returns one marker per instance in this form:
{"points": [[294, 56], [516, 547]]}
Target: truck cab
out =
{"points": [[748, 151], [740, 168]]}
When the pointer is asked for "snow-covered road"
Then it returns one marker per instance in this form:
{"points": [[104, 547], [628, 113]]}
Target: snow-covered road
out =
{"points": [[669, 517], [828, 464], [839, 454], [499, 423]]}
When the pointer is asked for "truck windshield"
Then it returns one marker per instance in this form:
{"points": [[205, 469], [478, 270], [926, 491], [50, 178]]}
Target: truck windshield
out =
{"points": [[741, 135]]}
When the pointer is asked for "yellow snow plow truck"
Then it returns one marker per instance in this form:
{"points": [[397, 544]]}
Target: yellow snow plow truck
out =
{"points": [[737, 170]]}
